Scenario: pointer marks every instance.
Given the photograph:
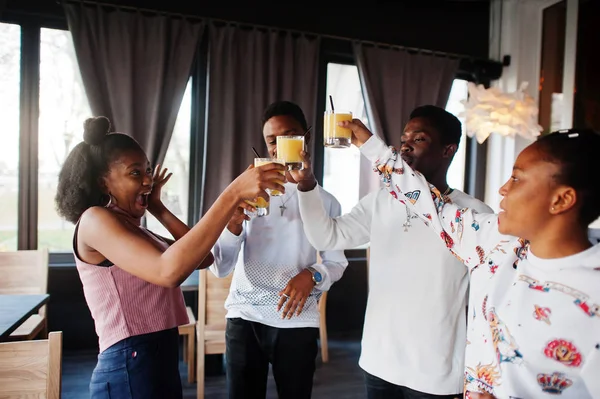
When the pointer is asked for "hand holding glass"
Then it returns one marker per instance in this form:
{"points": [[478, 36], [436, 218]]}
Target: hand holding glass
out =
{"points": [[336, 136]]}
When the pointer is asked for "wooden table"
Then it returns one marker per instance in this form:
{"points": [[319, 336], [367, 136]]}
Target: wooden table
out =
{"points": [[15, 309]]}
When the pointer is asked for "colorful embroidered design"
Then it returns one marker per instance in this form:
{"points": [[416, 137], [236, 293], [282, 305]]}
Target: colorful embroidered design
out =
{"points": [[554, 383], [534, 284], [521, 251], [480, 253], [458, 220], [475, 225], [483, 377], [564, 352], [505, 345], [447, 239], [542, 314], [492, 266], [413, 196], [581, 298], [484, 308]]}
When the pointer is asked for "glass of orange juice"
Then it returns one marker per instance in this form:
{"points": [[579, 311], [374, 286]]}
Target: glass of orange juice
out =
{"points": [[336, 136], [289, 149], [261, 205], [265, 161]]}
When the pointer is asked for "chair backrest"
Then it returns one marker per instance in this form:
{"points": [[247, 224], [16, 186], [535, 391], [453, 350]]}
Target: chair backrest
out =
{"points": [[31, 369], [212, 293], [24, 272]]}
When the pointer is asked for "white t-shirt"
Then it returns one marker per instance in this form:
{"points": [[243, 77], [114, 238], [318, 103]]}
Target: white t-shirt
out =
{"points": [[534, 324], [269, 252], [415, 324]]}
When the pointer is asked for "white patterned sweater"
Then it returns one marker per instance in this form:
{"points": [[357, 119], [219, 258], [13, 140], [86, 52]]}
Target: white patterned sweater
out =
{"points": [[269, 252], [534, 324]]}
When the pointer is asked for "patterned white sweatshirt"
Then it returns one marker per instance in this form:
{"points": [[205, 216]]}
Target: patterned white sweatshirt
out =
{"points": [[534, 324], [269, 252]]}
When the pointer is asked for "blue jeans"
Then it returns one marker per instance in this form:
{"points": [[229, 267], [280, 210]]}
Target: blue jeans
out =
{"points": [[143, 366], [380, 389]]}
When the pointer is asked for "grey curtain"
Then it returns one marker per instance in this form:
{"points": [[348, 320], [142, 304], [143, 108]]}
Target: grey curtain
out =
{"points": [[249, 69], [134, 68], [394, 82]]}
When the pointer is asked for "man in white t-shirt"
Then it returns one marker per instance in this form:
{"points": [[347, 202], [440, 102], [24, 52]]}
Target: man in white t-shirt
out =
{"points": [[272, 312], [414, 334]]}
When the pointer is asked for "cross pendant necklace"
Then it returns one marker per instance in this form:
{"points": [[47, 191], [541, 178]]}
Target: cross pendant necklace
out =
{"points": [[282, 207]]}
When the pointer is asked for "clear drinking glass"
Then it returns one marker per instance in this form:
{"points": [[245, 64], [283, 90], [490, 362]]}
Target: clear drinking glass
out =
{"points": [[265, 161], [289, 149], [336, 136]]}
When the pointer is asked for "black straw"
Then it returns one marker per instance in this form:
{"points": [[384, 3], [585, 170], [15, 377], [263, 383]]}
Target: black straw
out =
{"points": [[256, 153], [331, 102]]}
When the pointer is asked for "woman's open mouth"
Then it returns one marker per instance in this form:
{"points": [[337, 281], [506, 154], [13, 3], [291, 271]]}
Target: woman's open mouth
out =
{"points": [[142, 200]]}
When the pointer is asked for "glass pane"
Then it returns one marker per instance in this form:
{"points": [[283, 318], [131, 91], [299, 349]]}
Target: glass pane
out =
{"points": [[343, 84], [456, 172], [10, 58], [177, 160], [63, 108]]}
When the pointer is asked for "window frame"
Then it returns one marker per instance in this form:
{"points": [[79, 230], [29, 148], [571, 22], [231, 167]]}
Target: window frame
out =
{"points": [[340, 52], [29, 96]]}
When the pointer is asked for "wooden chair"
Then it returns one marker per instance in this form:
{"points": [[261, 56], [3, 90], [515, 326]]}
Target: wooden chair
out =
{"points": [[210, 328], [188, 331], [323, 327], [31, 369], [323, 321], [21, 273]]}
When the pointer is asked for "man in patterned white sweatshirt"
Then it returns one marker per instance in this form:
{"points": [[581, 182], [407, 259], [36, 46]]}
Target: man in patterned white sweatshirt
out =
{"points": [[414, 333]]}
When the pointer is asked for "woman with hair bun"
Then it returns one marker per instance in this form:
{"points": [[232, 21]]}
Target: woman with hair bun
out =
{"points": [[130, 275]]}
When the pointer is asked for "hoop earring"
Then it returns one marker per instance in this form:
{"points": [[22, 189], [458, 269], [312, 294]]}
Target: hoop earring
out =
{"points": [[109, 203]]}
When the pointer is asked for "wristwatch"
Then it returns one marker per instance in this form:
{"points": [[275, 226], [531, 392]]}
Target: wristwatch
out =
{"points": [[316, 275]]}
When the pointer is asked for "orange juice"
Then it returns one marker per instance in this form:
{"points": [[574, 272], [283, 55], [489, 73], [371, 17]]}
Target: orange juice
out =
{"points": [[261, 205], [289, 149], [336, 136], [265, 161]]}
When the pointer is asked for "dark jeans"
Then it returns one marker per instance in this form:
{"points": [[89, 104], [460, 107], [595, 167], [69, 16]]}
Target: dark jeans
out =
{"points": [[380, 389], [144, 366], [250, 347]]}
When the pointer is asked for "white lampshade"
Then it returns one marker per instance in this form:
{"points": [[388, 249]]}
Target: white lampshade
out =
{"points": [[490, 111]]}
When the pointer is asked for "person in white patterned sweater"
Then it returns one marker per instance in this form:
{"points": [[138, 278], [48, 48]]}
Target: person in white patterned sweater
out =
{"points": [[272, 312], [405, 354], [534, 323]]}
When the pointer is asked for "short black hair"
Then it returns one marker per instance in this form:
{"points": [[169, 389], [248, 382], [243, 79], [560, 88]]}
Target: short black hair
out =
{"points": [[576, 152], [79, 178], [447, 125], [285, 108]]}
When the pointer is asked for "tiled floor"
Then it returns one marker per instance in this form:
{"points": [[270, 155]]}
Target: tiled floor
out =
{"points": [[340, 378]]}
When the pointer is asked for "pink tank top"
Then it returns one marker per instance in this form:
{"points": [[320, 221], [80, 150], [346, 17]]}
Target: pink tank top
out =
{"points": [[123, 305]]}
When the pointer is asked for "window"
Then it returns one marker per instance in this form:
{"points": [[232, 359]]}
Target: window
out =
{"points": [[456, 172], [63, 109], [177, 160], [343, 85], [10, 58]]}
